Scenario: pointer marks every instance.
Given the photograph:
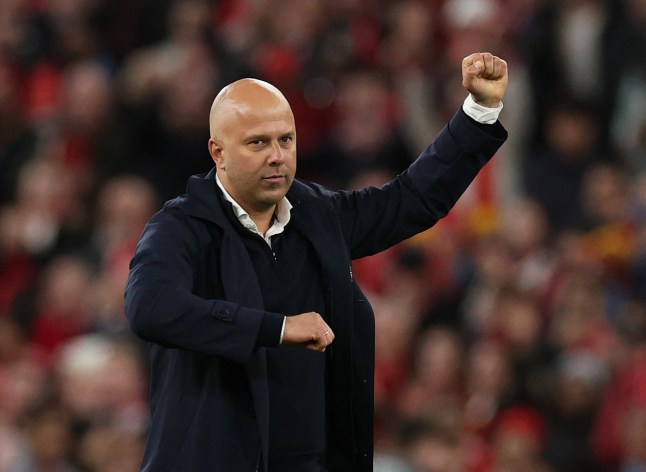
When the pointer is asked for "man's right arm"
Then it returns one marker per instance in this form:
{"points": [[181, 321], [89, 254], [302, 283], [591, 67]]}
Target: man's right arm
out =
{"points": [[161, 305]]}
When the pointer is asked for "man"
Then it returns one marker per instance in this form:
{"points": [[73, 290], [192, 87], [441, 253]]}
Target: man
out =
{"points": [[229, 280]]}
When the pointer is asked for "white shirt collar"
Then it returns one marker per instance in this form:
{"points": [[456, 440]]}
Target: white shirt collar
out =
{"points": [[281, 216]]}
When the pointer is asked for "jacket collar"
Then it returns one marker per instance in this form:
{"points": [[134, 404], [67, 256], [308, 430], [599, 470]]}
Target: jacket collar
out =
{"points": [[203, 196]]}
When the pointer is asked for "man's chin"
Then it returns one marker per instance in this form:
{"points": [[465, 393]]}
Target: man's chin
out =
{"points": [[276, 188], [273, 196]]}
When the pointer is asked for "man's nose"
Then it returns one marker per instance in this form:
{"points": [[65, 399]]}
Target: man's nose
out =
{"points": [[277, 155]]}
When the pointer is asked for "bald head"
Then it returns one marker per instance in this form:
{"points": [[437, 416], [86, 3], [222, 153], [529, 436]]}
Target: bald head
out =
{"points": [[253, 146], [244, 98]]}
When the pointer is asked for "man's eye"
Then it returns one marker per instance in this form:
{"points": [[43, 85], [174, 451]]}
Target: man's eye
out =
{"points": [[286, 139]]}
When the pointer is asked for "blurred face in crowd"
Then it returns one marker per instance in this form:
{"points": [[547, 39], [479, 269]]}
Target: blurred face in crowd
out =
{"points": [[253, 144]]}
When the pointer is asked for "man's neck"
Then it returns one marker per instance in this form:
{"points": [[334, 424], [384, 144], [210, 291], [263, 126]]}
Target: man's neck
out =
{"points": [[263, 220]]}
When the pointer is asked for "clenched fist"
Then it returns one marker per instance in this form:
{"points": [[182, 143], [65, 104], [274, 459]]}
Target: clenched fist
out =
{"points": [[308, 330], [485, 77]]}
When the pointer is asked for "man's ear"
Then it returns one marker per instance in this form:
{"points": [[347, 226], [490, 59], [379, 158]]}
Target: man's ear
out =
{"points": [[215, 149]]}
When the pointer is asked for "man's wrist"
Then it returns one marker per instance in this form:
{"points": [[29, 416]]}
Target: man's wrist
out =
{"points": [[481, 113]]}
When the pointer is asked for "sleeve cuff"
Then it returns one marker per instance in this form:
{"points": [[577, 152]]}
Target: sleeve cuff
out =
{"points": [[282, 330], [271, 330], [481, 113]]}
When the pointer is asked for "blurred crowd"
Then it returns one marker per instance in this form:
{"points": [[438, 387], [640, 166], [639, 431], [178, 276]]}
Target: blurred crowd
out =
{"points": [[511, 337]]}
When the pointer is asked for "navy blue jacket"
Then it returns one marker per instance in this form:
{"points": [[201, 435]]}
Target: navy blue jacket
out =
{"points": [[192, 292]]}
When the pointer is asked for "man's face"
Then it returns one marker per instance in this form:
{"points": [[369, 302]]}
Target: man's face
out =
{"points": [[255, 153]]}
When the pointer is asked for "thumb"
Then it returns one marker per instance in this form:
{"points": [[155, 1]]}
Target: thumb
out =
{"points": [[476, 68]]}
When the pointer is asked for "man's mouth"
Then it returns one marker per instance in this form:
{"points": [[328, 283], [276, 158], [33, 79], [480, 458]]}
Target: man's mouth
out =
{"points": [[274, 178]]}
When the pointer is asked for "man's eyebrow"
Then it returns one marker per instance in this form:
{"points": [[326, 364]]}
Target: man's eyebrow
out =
{"points": [[265, 137], [256, 137]]}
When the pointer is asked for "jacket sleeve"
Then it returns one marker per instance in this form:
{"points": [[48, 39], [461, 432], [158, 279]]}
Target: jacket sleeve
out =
{"points": [[161, 305], [374, 219]]}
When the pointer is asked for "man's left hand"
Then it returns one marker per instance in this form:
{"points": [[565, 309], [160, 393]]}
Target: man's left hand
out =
{"points": [[485, 77]]}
